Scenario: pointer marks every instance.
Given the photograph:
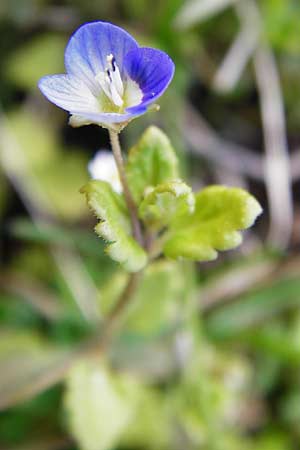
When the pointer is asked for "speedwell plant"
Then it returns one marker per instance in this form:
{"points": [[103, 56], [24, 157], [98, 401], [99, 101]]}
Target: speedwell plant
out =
{"points": [[147, 214]]}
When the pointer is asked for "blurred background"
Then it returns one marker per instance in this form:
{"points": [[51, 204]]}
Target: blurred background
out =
{"points": [[210, 359]]}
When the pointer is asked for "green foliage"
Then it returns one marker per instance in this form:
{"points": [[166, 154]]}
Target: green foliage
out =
{"points": [[36, 158], [281, 21], [41, 55], [195, 11], [202, 403], [208, 398], [83, 240], [150, 162], [222, 377], [164, 203], [151, 428], [31, 133], [234, 319], [15, 313], [3, 193], [114, 225], [99, 405], [18, 425], [220, 212], [160, 300], [290, 408], [25, 359], [194, 227]]}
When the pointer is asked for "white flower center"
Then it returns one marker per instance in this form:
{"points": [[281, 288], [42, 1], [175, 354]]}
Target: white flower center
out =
{"points": [[111, 82]]}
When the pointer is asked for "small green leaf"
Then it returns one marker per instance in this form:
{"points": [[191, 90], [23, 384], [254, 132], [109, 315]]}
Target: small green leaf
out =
{"points": [[99, 405], [219, 214], [165, 202], [151, 162], [114, 226]]}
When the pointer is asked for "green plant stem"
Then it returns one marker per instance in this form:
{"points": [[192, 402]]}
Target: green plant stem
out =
{"points": [[116, 148], [116, 316]]}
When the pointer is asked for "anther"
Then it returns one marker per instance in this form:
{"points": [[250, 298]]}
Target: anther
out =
{"points": [[111, 61], [108, 75]]}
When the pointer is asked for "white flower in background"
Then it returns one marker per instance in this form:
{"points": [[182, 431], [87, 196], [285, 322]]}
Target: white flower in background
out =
{"points": [[103, 167]]}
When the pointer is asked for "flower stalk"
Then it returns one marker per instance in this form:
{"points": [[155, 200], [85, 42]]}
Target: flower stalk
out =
{"points": [[117, 152]]}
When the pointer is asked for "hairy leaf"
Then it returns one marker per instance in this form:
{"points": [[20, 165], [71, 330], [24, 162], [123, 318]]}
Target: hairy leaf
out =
{"points": [[165, 202], [150, 162], [114, 226], [220, 213]]}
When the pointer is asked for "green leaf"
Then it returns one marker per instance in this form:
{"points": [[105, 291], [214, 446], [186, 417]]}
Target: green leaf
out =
{"points": [[220, 213], [100, 405], [150, 162], [152, 427], [165, 202], [114, 226]]}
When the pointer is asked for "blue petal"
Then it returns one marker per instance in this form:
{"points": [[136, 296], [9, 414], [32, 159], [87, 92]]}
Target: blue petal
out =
{"points": [[152, 70], [86, 52], [68, 92]]}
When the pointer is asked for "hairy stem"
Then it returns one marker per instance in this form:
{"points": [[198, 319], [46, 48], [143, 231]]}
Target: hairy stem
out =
{"points": [[116, 148]]}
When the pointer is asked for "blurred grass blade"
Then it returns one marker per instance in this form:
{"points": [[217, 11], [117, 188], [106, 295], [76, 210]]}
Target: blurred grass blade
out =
{"points": [[47, 233], [45, 443], [29, 365], [274, 340], [235, 61], [195, 11], [234, 282], [33, 293], [254, 308]]}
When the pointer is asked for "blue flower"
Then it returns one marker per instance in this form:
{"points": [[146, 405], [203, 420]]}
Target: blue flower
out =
{"points": [[110, 79]]}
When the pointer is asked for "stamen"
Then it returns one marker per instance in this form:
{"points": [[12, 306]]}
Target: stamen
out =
{"points": [[111, 81], [108, 76], [116, 98], [115, 73], [111, 61]]}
